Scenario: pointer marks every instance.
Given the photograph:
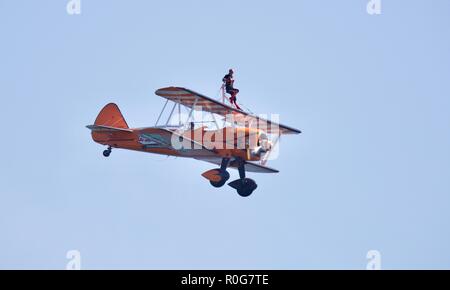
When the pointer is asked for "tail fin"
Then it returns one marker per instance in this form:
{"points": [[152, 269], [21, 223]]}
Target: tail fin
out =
{"points": [[111, 116]]}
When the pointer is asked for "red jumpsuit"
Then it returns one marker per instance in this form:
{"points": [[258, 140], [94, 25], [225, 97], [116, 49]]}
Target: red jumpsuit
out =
{"points": [[229, 81]]}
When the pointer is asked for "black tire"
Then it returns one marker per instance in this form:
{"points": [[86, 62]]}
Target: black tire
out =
{"points": [[218, 184], [225, 176], [244, 192], [248, 186], [106, 153]]}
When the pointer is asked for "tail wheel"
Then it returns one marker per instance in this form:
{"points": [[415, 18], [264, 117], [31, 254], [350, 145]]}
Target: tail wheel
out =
{"points": [[107, 152]]}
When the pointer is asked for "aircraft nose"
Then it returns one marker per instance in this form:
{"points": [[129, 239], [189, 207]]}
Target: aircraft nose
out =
{"points": [[266, 145]]}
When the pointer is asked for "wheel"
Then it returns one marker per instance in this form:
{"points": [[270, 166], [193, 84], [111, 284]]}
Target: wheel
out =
{"points": [[218, 184], [106, 153], [245, 191], [225, 176], [246, 188]]}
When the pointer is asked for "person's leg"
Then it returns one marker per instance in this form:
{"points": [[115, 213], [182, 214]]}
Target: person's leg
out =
{"points": [[233, 100], [233, 92]]}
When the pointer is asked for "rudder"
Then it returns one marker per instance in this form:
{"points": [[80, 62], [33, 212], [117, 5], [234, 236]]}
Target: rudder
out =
{"points": [[111, 116]]}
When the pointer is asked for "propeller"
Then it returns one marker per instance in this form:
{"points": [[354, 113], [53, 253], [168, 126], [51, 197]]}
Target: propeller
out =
{"points": [[270, 147], [264, 147]]}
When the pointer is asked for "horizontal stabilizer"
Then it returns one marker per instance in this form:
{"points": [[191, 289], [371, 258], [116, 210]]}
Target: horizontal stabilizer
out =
{"points": [[98, 128]]}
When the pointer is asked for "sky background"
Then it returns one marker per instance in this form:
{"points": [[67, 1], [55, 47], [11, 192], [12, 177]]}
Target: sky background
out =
{"points": [[371, 170]]}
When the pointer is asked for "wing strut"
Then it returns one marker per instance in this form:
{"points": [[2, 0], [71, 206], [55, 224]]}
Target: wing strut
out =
{"points": [[190, 113], [171, 113], [162, 111]]}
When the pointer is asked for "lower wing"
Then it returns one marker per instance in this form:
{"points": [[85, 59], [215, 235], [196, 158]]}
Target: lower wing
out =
{"points": [[249, 166]]}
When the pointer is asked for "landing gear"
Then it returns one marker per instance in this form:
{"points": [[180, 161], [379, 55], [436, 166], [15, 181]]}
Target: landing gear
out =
{"points": [[218, 177], [222, 173], [107, 152], [244, 186], [224, 178]]}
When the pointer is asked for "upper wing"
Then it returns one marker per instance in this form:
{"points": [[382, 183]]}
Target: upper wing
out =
{"points": [[191, 99]]}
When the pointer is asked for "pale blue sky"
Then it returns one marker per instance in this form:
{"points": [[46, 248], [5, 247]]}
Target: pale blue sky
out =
{"points": [[370, 171]]}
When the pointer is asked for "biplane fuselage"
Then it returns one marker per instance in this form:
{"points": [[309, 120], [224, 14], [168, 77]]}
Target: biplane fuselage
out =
{"points": [[136, 139], [240, 145]]}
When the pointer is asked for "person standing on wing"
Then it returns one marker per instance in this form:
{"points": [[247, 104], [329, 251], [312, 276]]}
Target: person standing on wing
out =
{"points": [[229, 82]]}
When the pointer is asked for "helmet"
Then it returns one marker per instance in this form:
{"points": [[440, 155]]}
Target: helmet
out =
{"points": [[231, 71]]}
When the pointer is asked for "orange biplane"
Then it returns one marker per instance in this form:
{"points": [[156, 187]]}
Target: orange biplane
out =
{"points": [[244, 141]]}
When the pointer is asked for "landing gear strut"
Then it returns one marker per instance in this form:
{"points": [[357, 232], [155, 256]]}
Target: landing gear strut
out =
{"points": [[107, 152], [244, 186]]}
